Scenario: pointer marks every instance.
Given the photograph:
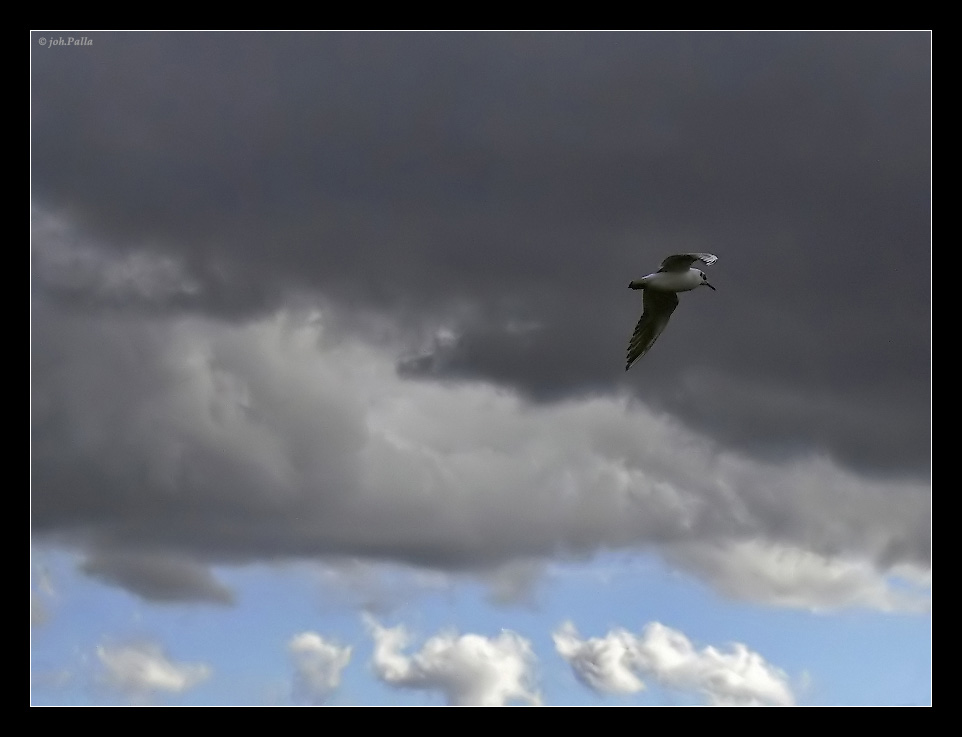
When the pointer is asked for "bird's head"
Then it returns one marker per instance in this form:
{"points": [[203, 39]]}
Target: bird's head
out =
{"points": [[704, 280]]}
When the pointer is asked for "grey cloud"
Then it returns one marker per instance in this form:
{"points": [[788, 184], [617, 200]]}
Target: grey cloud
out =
{"points": [[274, 440], [529, 176], [158, 578]]}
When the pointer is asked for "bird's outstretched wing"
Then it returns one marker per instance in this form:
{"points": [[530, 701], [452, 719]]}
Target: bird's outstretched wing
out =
{"points": [[658, 308], [683, 261]]}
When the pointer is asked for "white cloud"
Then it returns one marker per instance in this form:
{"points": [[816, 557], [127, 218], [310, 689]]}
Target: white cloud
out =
{"points": [[45, 581], [468, 669], [142, 669], [605, 665], [318, 665], [789, 576], [617, 662]]}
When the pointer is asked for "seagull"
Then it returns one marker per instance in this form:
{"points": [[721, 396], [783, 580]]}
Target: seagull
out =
{"points": [[661, 297]]}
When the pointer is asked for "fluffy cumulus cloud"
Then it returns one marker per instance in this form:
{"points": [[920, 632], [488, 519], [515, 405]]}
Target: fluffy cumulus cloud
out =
{"points": [[467, 669], [143, 670], [617, 663], [164, 442], [318, 664]]}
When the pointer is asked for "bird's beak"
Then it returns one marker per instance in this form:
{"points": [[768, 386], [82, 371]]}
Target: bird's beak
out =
{"points": [[712, 288]]}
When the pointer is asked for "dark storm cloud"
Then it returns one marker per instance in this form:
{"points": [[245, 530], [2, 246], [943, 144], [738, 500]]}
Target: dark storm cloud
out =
{"points": [[523, 179]]}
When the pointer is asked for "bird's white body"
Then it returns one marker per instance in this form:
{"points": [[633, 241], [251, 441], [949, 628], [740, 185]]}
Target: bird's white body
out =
{"points": [[670, 281]]}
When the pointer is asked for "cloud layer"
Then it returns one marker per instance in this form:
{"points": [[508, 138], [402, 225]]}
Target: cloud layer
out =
{"points": [[473, 669], [164, 439]]}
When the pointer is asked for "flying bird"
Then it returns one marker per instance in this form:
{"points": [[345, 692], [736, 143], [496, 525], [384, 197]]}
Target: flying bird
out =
{"points": [[661, 297]]}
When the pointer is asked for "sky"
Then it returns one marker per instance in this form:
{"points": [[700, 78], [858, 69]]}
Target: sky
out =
{"points": [[328, 398]]}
